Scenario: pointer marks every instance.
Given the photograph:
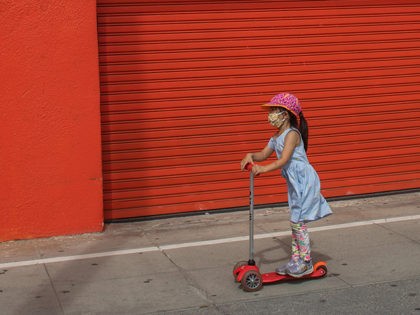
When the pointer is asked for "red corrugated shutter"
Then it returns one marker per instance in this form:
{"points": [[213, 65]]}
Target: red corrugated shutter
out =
{"points": [[181, 84]]}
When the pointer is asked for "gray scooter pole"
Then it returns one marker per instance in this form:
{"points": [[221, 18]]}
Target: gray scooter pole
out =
{"points": [[251, 260]]}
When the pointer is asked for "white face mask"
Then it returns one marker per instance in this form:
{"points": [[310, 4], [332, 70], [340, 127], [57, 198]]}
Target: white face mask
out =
{"points": [[274, 119]]}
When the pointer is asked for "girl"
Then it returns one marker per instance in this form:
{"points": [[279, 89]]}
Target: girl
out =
{"points": [[306, 203]]}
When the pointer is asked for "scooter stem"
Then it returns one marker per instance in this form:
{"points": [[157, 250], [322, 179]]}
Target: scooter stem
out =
{"points": [[251, 260]]}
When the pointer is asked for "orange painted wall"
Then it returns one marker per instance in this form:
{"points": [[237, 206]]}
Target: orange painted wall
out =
{"points": [[50, 147]]}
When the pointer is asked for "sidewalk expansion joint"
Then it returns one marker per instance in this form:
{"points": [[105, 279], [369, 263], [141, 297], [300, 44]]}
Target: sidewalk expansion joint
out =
{"points": [[200, 291]]}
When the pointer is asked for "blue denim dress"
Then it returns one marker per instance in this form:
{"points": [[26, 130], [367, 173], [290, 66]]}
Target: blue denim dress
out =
{"points": [[304, 188]]}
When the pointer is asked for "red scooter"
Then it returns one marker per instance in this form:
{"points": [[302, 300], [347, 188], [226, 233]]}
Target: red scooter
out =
{"points": [[248, 273]]}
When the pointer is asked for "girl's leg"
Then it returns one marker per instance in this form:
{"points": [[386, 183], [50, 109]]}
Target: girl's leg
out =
{"points": [[303, 265], [303, 241], [282, 270], [295, 243]]}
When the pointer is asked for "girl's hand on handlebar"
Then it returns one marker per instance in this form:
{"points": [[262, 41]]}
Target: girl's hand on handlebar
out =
{"points": [[258, 169], [247, 159]]}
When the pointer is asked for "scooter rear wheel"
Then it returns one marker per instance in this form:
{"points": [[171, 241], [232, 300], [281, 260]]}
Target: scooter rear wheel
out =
{"points": [[321, 268], [251, 281]]}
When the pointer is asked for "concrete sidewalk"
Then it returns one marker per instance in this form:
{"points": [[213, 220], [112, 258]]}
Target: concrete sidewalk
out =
{"points": [[184, 265]]}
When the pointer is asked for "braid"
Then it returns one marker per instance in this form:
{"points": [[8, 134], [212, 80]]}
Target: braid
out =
{"points": [[303, 128]]}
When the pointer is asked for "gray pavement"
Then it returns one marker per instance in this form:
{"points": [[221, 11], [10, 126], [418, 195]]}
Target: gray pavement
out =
{"points": [[374, 266]]}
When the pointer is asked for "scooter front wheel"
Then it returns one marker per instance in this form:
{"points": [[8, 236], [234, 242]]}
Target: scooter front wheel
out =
{"points": [[251, 281], [238, 265]]}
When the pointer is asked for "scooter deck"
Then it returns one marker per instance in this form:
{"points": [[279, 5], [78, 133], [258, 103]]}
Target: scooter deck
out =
{"points": [[320, 270], [272, 277]]}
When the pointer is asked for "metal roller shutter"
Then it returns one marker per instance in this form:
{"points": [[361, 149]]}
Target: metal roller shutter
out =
{"points": [[181, 84]]}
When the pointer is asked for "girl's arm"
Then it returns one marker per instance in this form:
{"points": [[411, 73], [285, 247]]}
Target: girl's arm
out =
{"points": [[290, 143], [257, 157]]}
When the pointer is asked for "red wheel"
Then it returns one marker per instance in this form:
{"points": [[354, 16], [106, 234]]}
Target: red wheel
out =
{"points": [[238, 265], [251, 281], [322, 269]]}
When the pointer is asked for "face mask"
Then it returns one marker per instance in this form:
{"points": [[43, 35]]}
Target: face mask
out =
{"points": [[274, 119]]}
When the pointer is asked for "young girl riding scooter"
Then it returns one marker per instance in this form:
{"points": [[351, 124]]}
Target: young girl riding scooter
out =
{"points": [[306, 203]]}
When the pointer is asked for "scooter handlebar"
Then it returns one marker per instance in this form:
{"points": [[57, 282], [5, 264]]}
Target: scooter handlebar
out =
{"points": [[248, 166]]}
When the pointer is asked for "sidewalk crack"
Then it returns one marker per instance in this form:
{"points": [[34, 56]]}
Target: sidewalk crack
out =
{"points": [[202, 293], [54, 289], [389, 229]]}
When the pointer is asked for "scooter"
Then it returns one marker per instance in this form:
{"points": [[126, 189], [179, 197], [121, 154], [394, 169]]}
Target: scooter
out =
{"points": [[248, 273]]}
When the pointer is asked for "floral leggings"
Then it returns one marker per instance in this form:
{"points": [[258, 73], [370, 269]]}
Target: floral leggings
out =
{"points": [[301, 246]]}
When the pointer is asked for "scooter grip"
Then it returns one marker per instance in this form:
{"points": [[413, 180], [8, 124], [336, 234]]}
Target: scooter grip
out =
{"points": [[248, 166]]}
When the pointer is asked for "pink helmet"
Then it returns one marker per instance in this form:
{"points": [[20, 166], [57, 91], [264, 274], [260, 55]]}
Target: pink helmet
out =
{"points": [[287, 101]]}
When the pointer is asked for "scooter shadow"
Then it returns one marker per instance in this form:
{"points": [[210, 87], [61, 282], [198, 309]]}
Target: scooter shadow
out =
{"points": [[273, 254]]}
